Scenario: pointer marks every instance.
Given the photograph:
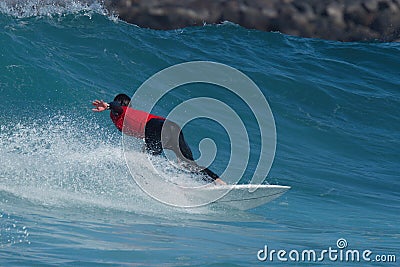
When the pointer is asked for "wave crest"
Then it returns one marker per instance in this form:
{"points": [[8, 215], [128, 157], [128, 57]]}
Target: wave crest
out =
{"points": [[49, 8]]}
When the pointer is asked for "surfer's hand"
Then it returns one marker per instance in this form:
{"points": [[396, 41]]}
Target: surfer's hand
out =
{"points": [[100, 105], [218, 181]]}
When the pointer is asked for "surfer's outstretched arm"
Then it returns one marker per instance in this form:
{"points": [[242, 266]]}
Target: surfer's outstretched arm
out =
{"points": [[100, 105], [114, 106]]}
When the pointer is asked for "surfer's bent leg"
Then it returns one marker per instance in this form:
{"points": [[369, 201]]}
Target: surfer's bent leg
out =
{"points": [[173, 139], [153, 136]]}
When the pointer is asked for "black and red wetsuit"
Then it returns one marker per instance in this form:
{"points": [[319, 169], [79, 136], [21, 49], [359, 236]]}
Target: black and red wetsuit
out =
{"points": [[141, 124]]}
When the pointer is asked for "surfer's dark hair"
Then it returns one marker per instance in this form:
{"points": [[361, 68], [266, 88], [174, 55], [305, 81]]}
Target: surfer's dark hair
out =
{"points": [[123, 99]]}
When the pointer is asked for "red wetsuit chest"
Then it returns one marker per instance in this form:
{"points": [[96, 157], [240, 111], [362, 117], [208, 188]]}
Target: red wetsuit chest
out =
{"points": [[135, 121]]}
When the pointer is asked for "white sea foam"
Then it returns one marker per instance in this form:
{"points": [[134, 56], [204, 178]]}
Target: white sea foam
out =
{"points": [[62, 162], [74, 162], [33, 8]]}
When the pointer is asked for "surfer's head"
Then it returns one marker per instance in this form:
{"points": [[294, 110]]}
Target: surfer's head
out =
{"points": [[123, 99]]}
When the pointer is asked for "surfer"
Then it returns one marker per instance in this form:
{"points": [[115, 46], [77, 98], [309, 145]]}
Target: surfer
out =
{"points": [[158, 132]]}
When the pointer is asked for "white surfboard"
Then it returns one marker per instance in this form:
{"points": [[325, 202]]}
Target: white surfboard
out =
{"points": [[246, 196]]}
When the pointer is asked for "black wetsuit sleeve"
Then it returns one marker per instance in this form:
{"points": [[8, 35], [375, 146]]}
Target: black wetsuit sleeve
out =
{"points": [[116, 108]]}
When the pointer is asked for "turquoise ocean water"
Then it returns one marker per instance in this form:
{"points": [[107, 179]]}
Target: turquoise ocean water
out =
{"points": [[67, 197]]}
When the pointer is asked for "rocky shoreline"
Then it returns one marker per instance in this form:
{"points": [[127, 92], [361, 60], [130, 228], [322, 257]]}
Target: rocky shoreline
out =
{"points": [[342, 20]]}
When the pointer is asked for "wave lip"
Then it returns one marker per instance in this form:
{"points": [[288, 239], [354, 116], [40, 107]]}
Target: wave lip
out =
{"points": [[49, 8]]}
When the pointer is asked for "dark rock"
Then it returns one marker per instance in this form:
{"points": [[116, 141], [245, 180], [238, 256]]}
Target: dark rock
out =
{"points": [[344, 20], [336, 14], [231, 12], [370, 5], [358, 15], [383, 5]]}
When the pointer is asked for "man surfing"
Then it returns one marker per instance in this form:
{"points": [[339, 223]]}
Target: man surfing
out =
{"points": [[141, 124]]}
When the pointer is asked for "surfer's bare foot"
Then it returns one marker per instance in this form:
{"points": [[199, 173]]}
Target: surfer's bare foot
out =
{"points": [[218, 181]]}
